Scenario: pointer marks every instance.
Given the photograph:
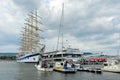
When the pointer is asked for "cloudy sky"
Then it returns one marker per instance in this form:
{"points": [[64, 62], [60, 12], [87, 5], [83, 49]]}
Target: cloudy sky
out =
{"points": [[90, 25]]}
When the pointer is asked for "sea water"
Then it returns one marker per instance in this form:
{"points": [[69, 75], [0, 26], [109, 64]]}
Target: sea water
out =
{"points": [[11, 70]]}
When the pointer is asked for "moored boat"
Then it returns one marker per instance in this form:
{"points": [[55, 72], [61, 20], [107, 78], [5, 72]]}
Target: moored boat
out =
{"points": [[112, 65], [65, 67], [44, 66]]}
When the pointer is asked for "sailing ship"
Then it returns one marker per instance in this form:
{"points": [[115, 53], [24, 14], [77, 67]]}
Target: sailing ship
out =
{"points": [[30, 40]]}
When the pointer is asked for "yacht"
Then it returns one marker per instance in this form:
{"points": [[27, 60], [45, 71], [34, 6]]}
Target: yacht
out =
{"points": [[112, 65], [66, 67], [44, 66]]}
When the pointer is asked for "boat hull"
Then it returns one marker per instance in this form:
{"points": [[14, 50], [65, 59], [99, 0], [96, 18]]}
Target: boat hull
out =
{"points": [[61, 69], [111, 70], [43, 69], [65, 70], [112, 65], [29, 58]]}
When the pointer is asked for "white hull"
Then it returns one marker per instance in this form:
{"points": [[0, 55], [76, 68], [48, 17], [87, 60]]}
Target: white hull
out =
{"points": [[112, 69], [43, 69], [29, 58], [112, 66]]}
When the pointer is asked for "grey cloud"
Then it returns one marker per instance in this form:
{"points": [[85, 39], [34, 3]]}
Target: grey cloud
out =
{"points": [[79, 25], [9, 38], [107, 42], [113, 47], [27, 4]]}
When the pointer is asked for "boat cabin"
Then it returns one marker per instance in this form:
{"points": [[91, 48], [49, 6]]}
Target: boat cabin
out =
{"points": [[69, 53]]}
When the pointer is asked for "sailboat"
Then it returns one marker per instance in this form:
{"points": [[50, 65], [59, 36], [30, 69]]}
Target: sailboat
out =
{"points": [[63, 58], [30, 44], [55, 60]]}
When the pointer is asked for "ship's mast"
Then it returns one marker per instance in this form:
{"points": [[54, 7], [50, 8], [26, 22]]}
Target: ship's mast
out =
{"points": [[30, 36], [60, 29]]}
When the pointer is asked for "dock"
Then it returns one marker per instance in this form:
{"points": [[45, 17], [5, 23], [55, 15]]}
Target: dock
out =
{"points": [[93, 70]]}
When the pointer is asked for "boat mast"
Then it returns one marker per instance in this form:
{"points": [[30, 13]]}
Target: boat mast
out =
{"points": [[60, 28], [119, 45]]}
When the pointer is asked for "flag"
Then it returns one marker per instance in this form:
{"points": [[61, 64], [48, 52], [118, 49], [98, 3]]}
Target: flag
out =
{"points": [[42, 49]]}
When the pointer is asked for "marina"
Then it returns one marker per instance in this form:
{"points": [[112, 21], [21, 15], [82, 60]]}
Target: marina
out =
{"points": [[58, 60], [60, 40]]}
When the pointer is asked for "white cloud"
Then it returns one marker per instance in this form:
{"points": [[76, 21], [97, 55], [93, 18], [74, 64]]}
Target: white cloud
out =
{"points": [[102, 20]]}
